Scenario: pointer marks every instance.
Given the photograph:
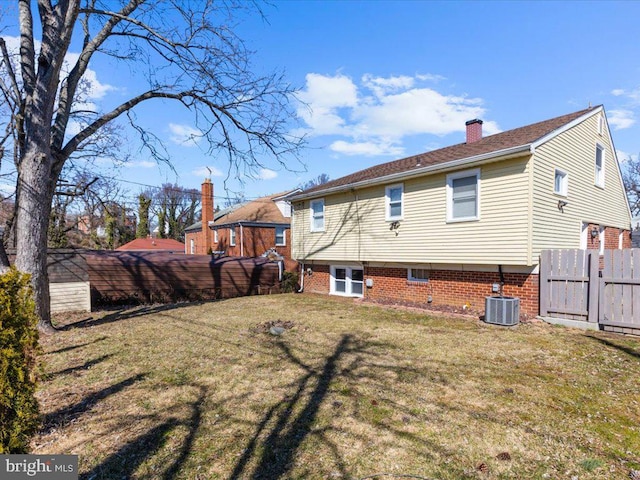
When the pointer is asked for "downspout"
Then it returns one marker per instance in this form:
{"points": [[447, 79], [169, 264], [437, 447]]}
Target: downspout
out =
{"points": [[241, 241], [301, 289]]}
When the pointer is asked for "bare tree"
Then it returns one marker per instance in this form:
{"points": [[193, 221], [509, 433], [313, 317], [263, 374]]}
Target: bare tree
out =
{"points": [[314, 182], [195, 60], [631, 177], [175, 208]]}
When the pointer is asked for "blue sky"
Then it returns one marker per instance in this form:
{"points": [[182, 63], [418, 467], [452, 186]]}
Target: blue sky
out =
{"points": [[383, 80]]}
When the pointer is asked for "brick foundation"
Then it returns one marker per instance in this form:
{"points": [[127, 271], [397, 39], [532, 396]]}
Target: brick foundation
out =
{"points": [[446, 287]]}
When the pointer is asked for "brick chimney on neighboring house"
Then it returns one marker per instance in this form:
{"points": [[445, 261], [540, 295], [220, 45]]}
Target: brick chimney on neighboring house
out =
{"points": [[474, 130], [207, 213]]}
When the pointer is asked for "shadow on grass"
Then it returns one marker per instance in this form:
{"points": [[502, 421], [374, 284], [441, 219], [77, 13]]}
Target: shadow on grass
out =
{"points": [[67, 414], [124, 463], [73, 347], [286, 436], [126, 314], [84, 366], [622, 348]]}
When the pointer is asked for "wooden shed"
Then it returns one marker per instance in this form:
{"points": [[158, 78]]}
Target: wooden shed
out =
{"points": [[69, 288]]}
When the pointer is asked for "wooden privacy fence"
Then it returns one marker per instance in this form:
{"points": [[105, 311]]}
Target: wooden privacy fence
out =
{"points": [[80, 279], [581, 285]]}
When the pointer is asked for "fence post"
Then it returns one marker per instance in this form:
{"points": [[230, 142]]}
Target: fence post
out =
{"points": [[594, 286], [543, 289]]}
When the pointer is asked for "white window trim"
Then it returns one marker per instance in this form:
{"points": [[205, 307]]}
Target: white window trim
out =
{"points": [[311, 218], [411, 278], [584, 236], [348, 281], [284, 237], [215, 236], [450, 178], [232, 237], [387, 202], [620, 239], [599, 179], [192, 246], [565, 183]]}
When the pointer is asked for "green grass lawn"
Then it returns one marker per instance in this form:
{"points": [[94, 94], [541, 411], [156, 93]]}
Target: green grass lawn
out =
{"points": [[203, 391]]}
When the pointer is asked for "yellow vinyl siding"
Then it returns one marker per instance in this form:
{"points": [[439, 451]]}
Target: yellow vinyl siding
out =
{"points": [[574, 152], [424, 236]]}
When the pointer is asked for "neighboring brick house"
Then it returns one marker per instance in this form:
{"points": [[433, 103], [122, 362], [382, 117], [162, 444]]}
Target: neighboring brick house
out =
{"points": [[445, 226], [249, 229]]}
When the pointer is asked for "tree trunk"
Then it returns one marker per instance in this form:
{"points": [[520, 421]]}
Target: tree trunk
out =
{"points": [[4, 260], [34, 195]]}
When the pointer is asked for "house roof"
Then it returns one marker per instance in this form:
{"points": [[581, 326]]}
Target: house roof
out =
{"points": [[262, 210], [225, 211], [158, 244], [493, 145]]}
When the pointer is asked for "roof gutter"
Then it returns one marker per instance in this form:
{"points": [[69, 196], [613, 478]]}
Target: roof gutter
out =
{"points": [[418, 172]]}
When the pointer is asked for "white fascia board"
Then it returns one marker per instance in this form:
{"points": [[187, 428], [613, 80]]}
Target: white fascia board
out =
{"points": [[419, 172], [564, 128]]}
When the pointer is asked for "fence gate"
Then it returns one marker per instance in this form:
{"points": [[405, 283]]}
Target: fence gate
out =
{"points": [[568, 284], [619, 306], [580, 285]]}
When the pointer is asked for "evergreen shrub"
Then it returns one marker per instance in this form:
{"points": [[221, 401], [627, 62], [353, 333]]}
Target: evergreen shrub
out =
{"points": [[19, 417]]}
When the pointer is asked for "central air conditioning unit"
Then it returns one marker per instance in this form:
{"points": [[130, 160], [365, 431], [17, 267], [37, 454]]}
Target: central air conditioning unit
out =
{"points": [[502, 310]]}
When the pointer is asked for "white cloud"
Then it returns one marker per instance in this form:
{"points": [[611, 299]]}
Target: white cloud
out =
{"points": [[90, 87], [184, 135], [141, 164], [624, 156], [633, 95], [366, 148], [374, 117], [621, 119], [266, 174], [322, 98], [207, 172]]}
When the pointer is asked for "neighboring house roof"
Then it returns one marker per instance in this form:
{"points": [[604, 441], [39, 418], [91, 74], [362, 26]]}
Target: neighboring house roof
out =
{"points": [[257, 212], [198, 225], [509, 142], [158, 244]]}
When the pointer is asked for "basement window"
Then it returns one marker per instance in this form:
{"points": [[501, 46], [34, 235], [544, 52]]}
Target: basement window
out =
{"points": [[417, 275]]}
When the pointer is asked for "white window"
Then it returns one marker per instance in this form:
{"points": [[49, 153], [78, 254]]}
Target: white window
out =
{"points": [[600, 124], [417, 274], [192, 246], [621, 239], [215, 236], [599, 165], [463, 196], [347, 281], [317, 215], [561, 184], [281, 239], [393, 199], [232, 237]]}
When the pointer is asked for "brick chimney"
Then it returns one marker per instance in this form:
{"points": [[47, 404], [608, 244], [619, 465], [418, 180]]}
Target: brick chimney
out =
{"points": [[474, 130], [207, 213]]}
